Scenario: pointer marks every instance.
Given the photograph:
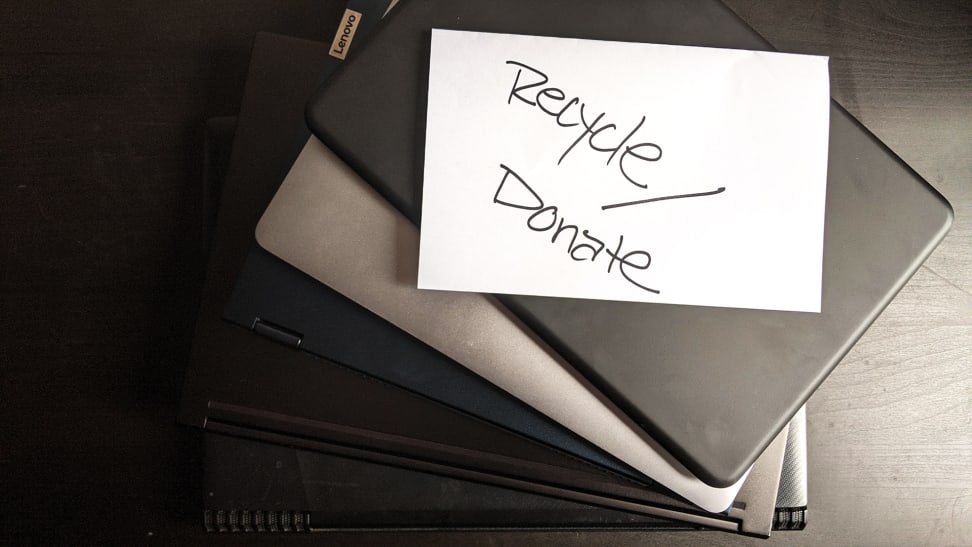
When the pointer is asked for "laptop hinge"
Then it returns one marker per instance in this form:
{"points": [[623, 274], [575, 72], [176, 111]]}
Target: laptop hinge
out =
{"points": [[277, 333]]}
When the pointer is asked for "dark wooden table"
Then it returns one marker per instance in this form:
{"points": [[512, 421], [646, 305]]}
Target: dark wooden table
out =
{"points": [[101, 113]]}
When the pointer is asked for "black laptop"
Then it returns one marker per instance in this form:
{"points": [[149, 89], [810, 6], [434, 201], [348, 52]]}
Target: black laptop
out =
{"points": [[718, 386]]}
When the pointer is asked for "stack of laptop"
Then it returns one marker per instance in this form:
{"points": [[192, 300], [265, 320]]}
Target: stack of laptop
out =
{"points": [[336, 394]]}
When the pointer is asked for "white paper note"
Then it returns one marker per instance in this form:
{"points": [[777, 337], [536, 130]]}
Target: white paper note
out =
{"points": [[623, 171]]}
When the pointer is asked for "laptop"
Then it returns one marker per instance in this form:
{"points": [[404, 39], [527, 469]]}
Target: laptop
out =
{"points": [[713, 386]]}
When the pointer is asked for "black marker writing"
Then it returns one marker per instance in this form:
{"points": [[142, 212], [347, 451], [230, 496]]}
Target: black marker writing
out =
{"points": [[719, 190], [529, 87], [545, 217], [596, 130]]}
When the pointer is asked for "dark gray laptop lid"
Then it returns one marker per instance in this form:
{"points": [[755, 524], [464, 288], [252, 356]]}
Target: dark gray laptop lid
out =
{"points": [[713, 385]]}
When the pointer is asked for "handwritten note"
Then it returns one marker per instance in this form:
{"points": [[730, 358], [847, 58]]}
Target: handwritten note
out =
{"points": [[622, 171]]}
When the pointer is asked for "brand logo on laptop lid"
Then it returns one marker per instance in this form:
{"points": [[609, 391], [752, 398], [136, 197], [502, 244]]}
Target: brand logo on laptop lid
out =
{"points": [[345, 34]]}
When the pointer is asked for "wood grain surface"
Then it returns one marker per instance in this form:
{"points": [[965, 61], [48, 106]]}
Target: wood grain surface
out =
{"points": [[102, 107]]}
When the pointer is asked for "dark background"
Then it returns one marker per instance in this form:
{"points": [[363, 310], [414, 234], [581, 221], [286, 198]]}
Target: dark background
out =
{"points": [[102, 107]]}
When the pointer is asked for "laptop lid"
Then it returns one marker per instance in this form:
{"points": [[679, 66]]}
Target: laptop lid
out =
{"points": [[275, 299], [254, 486], [713, 386]]}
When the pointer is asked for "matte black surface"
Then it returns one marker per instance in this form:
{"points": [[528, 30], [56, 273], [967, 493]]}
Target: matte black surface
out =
{"points": [[342, 493], [713, 385]]}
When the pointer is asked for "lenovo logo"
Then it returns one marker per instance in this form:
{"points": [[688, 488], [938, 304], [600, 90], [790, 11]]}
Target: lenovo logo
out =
{"points": [[345, 33]]}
